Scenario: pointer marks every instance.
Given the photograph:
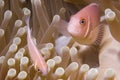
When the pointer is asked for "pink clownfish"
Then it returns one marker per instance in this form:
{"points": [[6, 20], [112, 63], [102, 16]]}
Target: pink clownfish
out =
{"points": [[83, 25]]}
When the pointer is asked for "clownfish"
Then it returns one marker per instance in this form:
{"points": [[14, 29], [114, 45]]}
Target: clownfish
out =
{"points": [[82, 26]]}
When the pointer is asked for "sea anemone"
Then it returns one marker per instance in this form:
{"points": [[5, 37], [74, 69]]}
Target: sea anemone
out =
{"points": [[66, 58]]}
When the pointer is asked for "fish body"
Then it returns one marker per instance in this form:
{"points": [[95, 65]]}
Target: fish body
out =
{"points": [[37, 59], [82, 25]]}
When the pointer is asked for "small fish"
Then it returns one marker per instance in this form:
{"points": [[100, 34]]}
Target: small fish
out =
{"points": [[38, 60], [82, 25]]}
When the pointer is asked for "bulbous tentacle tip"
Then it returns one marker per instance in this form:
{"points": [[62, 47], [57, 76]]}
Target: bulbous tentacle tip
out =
{"points": [[94, 4]]}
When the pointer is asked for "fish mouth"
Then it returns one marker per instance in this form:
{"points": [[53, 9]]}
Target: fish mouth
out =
{"points": [[73, 30]]}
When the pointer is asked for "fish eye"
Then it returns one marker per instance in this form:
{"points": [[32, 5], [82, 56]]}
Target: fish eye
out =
{"points": [[82, 21], [38, 70]]}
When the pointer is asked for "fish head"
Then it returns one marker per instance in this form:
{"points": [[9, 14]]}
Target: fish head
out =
{"points": [[42, 69], [82, 23]]}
